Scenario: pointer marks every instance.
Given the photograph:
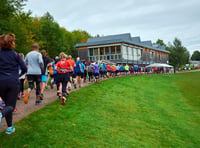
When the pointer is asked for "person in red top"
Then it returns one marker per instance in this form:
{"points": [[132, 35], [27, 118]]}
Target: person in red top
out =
{"points": [[113, 70], [63, 68], [108, 70], [72, 64]]}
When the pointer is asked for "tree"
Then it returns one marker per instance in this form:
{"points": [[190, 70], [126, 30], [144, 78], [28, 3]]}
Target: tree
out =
{"points": [[160, 42], [8, 9], [179, 55], [196, 55]]}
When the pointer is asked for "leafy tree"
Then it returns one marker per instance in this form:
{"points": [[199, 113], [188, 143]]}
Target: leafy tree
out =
{"points": [[8, 9], [179, 55], [196, 55], [161, 42]]}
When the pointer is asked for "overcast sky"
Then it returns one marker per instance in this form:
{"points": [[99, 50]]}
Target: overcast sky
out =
{"points": [[149, 19]]}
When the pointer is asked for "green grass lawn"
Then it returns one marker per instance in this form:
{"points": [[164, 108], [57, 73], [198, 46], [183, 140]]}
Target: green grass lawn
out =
{"points": [[139, 111]]}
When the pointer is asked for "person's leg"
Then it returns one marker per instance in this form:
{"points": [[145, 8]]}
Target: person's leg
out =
{"points": [[22, 87], [37, 79], [44, 80], [30, 79], [90, 76], [9, 94]]}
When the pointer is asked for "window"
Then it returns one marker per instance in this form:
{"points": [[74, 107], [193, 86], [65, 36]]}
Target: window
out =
{"points": [[108, 57], [118, 49], [95, 51], [91, 52], [115, 57], [106, 50], [112, 49], [151, 54], [160, 57], [101, 51]]}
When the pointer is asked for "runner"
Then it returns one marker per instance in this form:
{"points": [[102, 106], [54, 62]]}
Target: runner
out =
{"points": [[104, 70], [126, 69], [117, 69], [22, 78], [101, 70], [35, 64], [72, 64], [9, 78], [83, 70], [113, 70], [96, 72], [77, 73], [108, 70], [63, 68], [57, 59], [50, 72], [44, 77], [90, 72]]}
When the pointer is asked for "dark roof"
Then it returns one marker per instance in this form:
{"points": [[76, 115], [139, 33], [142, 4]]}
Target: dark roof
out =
{"points": [[136, 39], [126, 37], [148, 43]]}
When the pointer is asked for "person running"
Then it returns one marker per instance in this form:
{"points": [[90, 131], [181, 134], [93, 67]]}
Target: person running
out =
{"points": [[83, 70], [122, 69], [96, 72], [90, 72], [44, 77], [113, 70], [63, 68], [78, 73], [56, 60], [108, 70], [50, 71], [72, 64], [35, 65], [9, 78], [22, 79], [126, 69], [104, 70]]}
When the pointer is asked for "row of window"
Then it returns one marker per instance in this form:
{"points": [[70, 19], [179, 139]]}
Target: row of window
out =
{"points": [[105, 50], [115, 53]]}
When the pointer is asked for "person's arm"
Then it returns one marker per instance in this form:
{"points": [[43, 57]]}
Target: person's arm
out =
{"points": [[22, 66], [40, 61]]}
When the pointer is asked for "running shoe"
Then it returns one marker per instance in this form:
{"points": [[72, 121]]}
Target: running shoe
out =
{"points": [[59, 94], [63, 100], [26, 97], [38, 102], [10, 130], [19, 97], [22, 94], [15, 109], [0, 118], [41, 97]]}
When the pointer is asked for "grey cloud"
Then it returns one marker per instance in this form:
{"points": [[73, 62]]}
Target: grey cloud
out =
{"points": [[150, 19]]}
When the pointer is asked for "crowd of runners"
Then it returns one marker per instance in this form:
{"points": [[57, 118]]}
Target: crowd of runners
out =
{"points": [[37, 71]]}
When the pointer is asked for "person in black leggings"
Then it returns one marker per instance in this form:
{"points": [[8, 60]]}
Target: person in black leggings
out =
{"points": [[9, 78]]}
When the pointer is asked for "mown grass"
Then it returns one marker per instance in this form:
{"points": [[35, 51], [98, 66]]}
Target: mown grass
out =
{"points": [[139, 111]]}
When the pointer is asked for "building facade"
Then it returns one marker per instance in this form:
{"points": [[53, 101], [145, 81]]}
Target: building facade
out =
{"points": [[122, 49]]}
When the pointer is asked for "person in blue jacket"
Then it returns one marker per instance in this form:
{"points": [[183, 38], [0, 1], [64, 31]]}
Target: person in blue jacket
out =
{"points": [[9, 78]]}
